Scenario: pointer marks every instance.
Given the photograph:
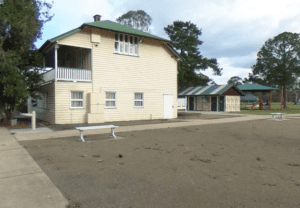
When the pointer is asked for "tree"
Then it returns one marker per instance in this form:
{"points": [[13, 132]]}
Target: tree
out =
{"points": [[278, 62], [235, 80], [136, 19], [21, 22], [184, 38]]}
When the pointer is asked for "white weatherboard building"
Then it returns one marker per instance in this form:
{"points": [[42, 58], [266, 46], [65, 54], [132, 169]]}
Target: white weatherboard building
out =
{"points": [[103, 71]]}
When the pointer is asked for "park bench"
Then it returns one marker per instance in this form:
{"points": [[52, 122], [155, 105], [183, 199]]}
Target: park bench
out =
{"points": [[81, 129], [280, 115]]}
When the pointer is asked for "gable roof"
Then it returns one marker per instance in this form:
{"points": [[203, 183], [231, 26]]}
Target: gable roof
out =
{"points": [[254, 87], [210, 90], [249, 97], [115, 27]]}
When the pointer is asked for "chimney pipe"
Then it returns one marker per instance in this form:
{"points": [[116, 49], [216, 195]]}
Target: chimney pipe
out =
{"points": [[97, 18]]}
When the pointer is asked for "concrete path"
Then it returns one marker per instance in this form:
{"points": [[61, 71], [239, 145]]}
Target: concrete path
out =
{"points": [[23, 184], [191, 122]]}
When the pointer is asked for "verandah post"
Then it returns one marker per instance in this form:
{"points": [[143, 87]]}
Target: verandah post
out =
{"points": [[55, 61]]}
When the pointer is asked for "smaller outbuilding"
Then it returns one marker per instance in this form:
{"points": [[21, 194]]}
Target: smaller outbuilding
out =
{"points": [[212, 98]]}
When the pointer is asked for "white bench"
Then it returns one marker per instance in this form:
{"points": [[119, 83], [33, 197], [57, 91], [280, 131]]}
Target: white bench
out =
{"points": [[112, 127], [280, 115]]}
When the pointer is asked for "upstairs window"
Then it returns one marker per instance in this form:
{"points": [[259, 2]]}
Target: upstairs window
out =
{"points": [[126, 44]]}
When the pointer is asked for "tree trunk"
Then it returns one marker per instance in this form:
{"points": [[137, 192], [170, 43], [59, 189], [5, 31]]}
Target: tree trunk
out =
{"points": [[296, 97], [285, 105]]}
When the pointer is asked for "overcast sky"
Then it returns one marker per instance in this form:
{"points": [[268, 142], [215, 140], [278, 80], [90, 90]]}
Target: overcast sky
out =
{"points": [[233, 31]]}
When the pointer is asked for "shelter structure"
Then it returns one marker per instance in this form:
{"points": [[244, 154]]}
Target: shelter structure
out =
{"points": [[253, 88], [212, 98]]}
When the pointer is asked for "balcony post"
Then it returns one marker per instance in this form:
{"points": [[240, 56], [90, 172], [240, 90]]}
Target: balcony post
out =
{"points": [[55, 61]]}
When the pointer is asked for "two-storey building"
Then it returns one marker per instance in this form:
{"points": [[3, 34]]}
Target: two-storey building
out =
{"points": [[103, 71]]}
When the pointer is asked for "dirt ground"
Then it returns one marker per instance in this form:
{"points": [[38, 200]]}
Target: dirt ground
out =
{"points": [[241, 164]]}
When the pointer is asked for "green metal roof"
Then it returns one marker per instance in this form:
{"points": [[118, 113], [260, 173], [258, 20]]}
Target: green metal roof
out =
{"points": [[249, 97], [116, 27], [210, 90], [112, 26], [254, 87]]}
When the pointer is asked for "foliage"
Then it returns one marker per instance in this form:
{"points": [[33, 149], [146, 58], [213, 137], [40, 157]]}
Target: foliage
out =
{"points": [[21, 23], [184, 38], [278, 62], [235, 80], [136, 19]]}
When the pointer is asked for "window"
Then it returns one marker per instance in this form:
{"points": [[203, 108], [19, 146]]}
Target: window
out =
{"points": [[126, 44], [138, 99], [76, 99], [110, 99]]}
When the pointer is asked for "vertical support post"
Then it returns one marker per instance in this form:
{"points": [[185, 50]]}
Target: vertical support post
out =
{"points": [[55, 61], [33, 120], [186, 104], [281, 99], [91, 68], [270, 103]]}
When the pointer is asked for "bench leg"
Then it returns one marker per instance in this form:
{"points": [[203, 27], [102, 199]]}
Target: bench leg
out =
{"points": [[113, 133], [81, 135]]}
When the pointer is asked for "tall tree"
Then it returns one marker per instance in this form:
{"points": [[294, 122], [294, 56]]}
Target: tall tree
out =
{"points": [[21, 22], [136, 19], [278, 61], [235, 80], [184, 38]]}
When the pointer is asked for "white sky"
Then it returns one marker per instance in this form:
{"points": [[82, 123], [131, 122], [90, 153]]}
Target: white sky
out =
{"points": [[233, 31]]}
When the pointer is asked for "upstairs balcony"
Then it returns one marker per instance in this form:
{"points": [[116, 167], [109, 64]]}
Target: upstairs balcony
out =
{"points": [[67, 63]]}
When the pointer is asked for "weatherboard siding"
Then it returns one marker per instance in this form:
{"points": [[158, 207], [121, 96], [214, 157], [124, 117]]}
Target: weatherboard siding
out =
{"points": [[232, 103], [153, 72], [63, 112], [46, 113], [79, 39]]}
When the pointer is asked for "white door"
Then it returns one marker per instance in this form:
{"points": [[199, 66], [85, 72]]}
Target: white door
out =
{"points": [[168, 106]]}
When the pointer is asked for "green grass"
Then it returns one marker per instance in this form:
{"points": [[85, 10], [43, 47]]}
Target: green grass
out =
{"points": [[291, 109]]}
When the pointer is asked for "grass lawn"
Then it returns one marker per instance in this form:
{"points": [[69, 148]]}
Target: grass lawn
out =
{"points": [[292, 109]]}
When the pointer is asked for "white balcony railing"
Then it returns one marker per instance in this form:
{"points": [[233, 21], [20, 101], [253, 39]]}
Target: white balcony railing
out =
{"points": [[68, 74]]}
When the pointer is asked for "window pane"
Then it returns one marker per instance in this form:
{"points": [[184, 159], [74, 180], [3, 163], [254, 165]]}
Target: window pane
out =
{"points": [[77, 104], [138, 96], [76, 95], [126, 38], [116, 46], [121, 37], [135, 40], [116, 37], [110, 103], [138, 103], [131, 39], [131, 49], [126, 48], [110, 95], [121, 47], [136, 50]]}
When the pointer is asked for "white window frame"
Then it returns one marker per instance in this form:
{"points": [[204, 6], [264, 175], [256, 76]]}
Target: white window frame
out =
{"points": [[111, 99], [129, 45], [138, 100], [76, 100]]}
